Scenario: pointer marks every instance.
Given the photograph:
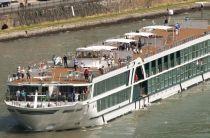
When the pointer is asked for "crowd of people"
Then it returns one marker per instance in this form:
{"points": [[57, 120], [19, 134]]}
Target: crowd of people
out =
{"points": [[22, 72]]}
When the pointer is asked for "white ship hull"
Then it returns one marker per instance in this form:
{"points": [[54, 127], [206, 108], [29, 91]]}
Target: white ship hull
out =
{"points": [[77, 116], [57, 118]]}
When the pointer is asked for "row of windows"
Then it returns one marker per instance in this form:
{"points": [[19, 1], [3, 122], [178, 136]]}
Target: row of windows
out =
{"points": [[113, 99], [111, 83], [177, 58], [194, 51], [178, 75]]}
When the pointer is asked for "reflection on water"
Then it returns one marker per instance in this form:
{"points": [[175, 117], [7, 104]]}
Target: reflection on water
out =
{"points": [[184, 115]]}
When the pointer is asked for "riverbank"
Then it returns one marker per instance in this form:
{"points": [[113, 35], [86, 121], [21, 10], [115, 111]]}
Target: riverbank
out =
{"points": [[97, 20]]}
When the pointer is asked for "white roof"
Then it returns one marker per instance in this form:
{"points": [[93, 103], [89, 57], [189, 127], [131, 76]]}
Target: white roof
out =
{"points": [[144, 34], [201, 2], [119, 40], [96, 48], [158, 27]]}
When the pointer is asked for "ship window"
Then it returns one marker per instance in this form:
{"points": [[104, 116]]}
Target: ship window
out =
{"points": [[159, 65], [208, 59], [113, 99], [190, 52], [172, 59], [186, 54], [208, 45], [157, 83], [111, 83], [153, 67], [178, 58], [170, 78], [205, 64], [182, 73], [174, 76], [165, 62], [147, 69], [166, 79], [162, 81], [194, 68]]}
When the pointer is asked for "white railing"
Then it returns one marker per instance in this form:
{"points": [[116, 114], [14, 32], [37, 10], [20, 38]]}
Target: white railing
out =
{"points": [[27, 104]]}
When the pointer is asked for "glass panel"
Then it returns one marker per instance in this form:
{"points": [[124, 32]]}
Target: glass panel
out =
{"points": [[113, 99]]}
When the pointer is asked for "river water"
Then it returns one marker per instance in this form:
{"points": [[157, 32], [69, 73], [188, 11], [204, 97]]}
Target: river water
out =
{"points": [[184, 115]]}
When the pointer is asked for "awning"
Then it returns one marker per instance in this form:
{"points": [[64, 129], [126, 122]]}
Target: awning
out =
{"points": [[96, 48], [119, 40], [158, 27], [143, 34]]}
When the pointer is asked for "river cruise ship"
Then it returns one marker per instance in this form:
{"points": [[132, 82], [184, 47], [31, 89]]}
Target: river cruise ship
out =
{"points": [[103, 81]]}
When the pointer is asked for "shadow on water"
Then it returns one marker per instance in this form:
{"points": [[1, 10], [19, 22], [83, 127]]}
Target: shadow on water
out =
{"points": [[9, 125]]}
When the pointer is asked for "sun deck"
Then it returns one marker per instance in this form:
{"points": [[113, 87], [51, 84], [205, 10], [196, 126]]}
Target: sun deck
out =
{"points": [[61, 75], [184, 35]]}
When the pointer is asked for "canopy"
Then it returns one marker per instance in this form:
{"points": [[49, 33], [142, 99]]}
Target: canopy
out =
{"points": [[143, 34], [96, 48], [158, 27], [119, 40]]}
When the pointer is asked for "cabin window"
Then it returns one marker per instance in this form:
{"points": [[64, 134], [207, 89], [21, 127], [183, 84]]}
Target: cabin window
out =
{"points": [[185, 54], [190, 52], [165, 62], [111, 83], [113, 99], [147, 69], [166, 79], [208, 45], [205, 64], [87, 54], [153, 67], [178, 57], [159, 65]]}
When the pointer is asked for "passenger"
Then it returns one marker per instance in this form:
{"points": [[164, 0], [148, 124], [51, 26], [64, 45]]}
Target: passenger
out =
{"points": [[166, 20], [53, 59], [75, 64], [136, 78], [86, 74], [18, 95], [65, 61], [18, 72], [76, 97], [73, 95], [101, 70], [59, 96], [23, 95], [28, 73], [177, 28], [23, 72], [109, 62]]}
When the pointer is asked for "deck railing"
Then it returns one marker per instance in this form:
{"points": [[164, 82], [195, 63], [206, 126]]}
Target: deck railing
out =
{"points": [[177, 44]]}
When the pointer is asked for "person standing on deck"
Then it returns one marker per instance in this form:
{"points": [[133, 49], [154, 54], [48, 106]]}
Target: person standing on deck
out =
{"points": [[53, 59], [86, 74], [75, 64], [18, 95], [28, 73], [65, 61]]}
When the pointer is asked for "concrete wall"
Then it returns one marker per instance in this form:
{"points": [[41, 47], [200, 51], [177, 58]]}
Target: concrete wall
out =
{"points": [[52, 11]]}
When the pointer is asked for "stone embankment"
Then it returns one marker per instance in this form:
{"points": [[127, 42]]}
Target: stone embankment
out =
{"points": [[92, 23]]}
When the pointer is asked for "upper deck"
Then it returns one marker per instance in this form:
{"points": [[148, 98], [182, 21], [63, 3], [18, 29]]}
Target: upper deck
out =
{"points": [[150, 44]]}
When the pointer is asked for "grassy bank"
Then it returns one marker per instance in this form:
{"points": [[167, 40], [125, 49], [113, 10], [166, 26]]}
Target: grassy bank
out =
{"points": [[96, 19]]}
